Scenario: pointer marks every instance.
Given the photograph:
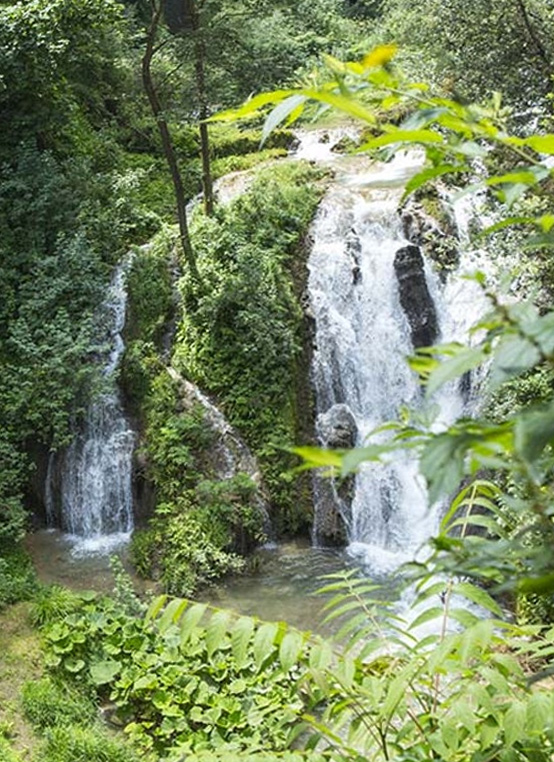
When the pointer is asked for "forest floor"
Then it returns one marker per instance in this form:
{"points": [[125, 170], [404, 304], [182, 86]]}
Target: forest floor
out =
{"points": [[20, 661]]}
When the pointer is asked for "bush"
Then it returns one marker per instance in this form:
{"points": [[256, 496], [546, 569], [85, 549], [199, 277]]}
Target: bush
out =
{"points": [[48, 704], [17, 576], [54, 602]]}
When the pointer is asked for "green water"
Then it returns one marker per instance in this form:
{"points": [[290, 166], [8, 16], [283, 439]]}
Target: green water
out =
{"points": [[282, 587]]}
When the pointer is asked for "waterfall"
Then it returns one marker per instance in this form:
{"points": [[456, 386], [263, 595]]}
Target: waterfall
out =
{"points": [[362, 339], [88, 491]]}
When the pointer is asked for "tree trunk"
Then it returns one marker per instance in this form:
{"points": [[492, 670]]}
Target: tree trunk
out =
{"points": [[167, 142], [199, 57]]}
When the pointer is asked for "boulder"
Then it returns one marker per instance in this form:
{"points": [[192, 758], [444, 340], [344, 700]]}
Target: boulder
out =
{"points": [[337, 427], [414, 295]]}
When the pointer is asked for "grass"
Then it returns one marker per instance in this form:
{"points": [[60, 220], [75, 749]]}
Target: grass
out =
{"points": [[20, 661]]}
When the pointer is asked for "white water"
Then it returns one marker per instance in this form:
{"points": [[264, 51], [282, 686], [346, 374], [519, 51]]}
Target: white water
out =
{"points": [[362, 340], [88, 487]]}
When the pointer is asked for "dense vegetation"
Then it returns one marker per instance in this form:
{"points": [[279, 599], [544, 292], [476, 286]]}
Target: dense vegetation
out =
{"points": [[82, 178]]}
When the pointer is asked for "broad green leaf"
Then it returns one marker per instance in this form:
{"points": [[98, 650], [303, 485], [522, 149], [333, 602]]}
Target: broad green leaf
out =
{"points": [[534, 429], [466, 359], [430, 173], [321, 655], [155, 607], [404, 136], [171, 613], [342, 103], [540, 143], [290, 649], [103, 672], [216, 629], [252, 106], [539, 712], [442, 464], [477, 595], [513, 355], [514, 723], [427, 616], [280, 113], [73, 665], [240, 638], [316, 457], [190, 621], [263, 642]]}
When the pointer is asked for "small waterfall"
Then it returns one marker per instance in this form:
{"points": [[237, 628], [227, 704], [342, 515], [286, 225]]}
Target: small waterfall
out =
{"points": [[362, 338], [88, 491]]}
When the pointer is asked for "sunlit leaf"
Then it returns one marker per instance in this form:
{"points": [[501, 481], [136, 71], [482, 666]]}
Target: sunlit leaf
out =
{"points": [[379, 56]]}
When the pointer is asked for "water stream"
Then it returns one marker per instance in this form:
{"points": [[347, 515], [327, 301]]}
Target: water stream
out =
{"points": [[88, 491], [361, 380], [362, 339]]}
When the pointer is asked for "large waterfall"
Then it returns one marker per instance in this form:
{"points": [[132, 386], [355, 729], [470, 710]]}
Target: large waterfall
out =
{"points": [[89, 485], [362, 339]]}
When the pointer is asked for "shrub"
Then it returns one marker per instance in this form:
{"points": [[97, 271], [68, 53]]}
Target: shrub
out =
{"points": [[17, 576]]}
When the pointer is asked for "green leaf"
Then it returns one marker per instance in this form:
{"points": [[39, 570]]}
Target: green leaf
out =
{"points": [[171, 613], [404, 136], [465, 359], [103, 672], [430, 174], [512, 357], [540, 143], [345, 104], [280, 113], [477, 595], [73, 665], [534, 429], [514, 723], [290, 649], [155, 607], [215, 631], [316, 457], [251, 107], [240, 638], [190, 621], [264, 640]]}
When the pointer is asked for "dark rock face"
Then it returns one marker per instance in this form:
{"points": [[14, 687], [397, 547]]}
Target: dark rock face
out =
{"points": [[337, 427], [415, 298], [437, 237]]}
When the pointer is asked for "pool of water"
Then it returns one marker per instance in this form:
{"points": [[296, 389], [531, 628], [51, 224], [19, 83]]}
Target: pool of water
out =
{"points": [[282, 586]]}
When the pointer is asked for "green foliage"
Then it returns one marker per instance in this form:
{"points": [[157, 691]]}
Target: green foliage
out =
{"points": [[52, 603], [480, 47], [73, 742], [8, 754], [454, 691], [17, 576], [251, 260], [49, 704], [186, 678]]}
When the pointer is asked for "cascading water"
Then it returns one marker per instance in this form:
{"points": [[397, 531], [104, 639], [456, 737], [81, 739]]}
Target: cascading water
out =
{"points": [[88, 491], [362, 339]]}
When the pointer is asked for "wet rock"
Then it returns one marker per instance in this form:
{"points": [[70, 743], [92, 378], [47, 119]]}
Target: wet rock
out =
{"points": [[434, 233], [414, 295], [337, 427]]}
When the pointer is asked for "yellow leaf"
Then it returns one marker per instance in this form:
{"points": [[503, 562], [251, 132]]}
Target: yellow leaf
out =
{"points": [[379, 56]]}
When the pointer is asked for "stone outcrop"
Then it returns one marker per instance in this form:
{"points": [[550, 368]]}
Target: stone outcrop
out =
{"points": [[437, 237], [337, 427], [414, 295]]}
